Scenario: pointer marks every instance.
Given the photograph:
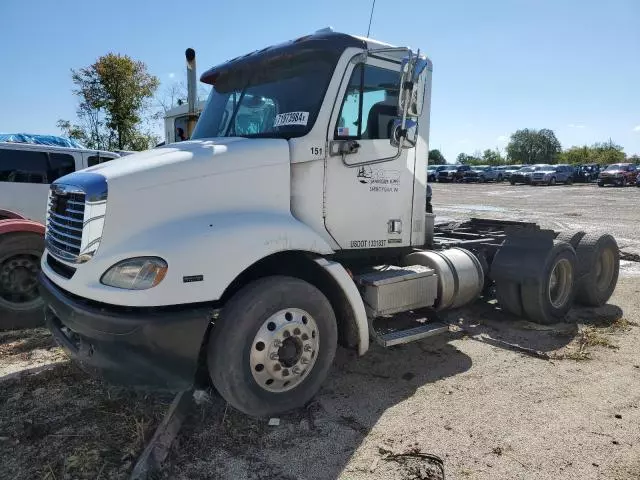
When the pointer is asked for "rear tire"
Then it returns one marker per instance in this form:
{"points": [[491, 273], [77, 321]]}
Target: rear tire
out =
{"points": [[598, 269], [572, 238], [20, 303], [600, 184], [508, 296], [246, 351], [549, 299]]}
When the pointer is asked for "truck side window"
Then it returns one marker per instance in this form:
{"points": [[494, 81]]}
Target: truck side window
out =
{"points": [[370, 104], [23, 166], [60, 165]]}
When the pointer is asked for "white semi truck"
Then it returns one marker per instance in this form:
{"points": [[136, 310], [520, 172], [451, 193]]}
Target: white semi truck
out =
{"points": [[292, 221]]}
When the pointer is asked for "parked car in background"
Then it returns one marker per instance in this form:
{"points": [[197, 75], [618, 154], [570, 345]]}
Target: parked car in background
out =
{"points": [[482, 173], [524, 174], [27, 169], [432, 172], [586, 173], [619, 174], [453, 173], [552, 174], [507, 170], [28, 165]]}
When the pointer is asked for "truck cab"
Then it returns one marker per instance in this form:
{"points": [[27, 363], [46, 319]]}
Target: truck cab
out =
{"points": [[291, 221]]}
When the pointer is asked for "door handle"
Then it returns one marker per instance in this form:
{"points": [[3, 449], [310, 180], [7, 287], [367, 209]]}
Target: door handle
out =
{"points": [[343, 147]]}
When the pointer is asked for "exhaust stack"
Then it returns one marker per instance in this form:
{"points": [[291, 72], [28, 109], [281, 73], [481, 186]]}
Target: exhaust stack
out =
{"points": [[192, 86]]}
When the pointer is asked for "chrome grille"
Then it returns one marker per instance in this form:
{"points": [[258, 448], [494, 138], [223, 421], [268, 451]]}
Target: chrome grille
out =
{"points": [[65, 220]]}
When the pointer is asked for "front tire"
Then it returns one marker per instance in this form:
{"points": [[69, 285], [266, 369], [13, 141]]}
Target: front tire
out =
{"points": [[273, 345]]}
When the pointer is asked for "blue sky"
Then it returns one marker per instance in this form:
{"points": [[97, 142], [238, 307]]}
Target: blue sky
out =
{"points": [[499, 65]]}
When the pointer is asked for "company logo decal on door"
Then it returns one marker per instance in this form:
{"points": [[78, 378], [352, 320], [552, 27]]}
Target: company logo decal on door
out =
{"points": [[379, 180]]}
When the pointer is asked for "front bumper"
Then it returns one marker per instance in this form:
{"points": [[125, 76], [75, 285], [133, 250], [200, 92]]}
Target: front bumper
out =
{"points": [[611, 180], [142, 347]]}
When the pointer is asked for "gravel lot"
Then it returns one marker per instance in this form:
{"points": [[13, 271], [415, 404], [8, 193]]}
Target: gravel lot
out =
{"points": [[580, 206], [489, 411]]}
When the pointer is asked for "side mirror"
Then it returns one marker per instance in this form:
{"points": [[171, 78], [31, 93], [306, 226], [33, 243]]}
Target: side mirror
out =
{"points": [[404, 138], [412, 85]]}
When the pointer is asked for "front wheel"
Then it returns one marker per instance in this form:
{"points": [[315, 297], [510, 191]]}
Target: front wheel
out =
{"points": [[272, 346], [552, 181]]}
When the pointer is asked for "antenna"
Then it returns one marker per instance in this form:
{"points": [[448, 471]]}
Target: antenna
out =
{"points": [[371, 17]]}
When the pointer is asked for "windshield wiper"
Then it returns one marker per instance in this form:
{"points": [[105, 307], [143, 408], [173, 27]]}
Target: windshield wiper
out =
{"points": [[232, 120]]}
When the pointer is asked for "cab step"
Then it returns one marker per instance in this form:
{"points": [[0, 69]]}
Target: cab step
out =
{"points": [[411, 334], [406, 327]]}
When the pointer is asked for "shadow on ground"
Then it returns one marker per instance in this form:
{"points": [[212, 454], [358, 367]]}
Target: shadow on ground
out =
{"points": [[319, 441]]}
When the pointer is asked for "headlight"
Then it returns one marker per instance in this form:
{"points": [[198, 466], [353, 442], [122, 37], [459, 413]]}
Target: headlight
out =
{"points": [[136, 273]]}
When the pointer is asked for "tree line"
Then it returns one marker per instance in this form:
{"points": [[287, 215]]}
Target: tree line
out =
{"points": [[530, 146]]}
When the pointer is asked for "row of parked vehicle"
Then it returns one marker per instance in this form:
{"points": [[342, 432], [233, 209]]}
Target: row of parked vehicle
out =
{"points": [[619, 174]]}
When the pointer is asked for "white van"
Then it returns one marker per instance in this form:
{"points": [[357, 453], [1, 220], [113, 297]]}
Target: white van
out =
{"points": [[26, 170]]}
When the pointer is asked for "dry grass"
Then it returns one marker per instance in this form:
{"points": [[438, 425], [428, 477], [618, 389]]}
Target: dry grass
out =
{"points": [[62, 424], [621, 325], [589, 337]]}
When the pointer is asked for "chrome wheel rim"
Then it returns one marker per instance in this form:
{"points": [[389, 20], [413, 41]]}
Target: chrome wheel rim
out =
{"points": [[284, 350], [604, 269], [560, 283]]}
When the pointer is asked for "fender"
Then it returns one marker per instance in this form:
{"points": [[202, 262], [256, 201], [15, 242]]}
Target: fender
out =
{"points": [[11, 225], [350, 291], [9, 214], [204, 254]]}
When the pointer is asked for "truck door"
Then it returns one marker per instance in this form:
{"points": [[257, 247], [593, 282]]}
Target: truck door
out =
{"points": [[368, 193]]}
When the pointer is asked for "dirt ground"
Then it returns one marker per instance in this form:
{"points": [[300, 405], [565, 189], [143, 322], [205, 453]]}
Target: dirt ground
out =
{"points": [[568, 407]]}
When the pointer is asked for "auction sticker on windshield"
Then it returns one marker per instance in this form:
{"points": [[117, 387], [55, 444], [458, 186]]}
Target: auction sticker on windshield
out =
{"points": [[291, 118]]}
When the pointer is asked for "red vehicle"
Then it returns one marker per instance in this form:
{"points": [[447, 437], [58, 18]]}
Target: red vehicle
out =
{"points": [[619, 174], [21, 245]]}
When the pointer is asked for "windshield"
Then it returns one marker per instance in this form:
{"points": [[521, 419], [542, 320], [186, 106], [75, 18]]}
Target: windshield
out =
{"points": [[616, 166], [526, 169], [279, 98]]}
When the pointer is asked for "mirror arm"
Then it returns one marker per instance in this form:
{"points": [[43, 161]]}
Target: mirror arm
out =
{"points": [[371, 162]]}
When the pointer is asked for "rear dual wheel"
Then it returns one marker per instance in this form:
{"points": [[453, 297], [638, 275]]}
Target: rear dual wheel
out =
{"points": [[272, 346], [548, 298], [580, 266]]}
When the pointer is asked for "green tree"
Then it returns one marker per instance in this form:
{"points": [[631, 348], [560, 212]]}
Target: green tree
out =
{"points": [[529, 146], [436, 158], [609, 152], [115, 95], [464, 159], [492, 157], [603, 153]]}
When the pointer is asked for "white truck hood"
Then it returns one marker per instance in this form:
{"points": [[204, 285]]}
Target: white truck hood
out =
{"points": [[160, 157]]}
